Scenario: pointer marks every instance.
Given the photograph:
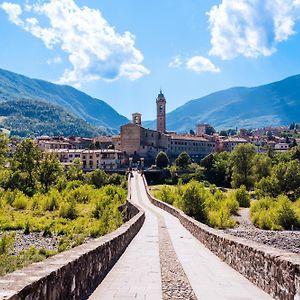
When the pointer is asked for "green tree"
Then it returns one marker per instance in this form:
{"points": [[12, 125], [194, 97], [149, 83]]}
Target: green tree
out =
{"points": [[216, 168], [162, 160], [193, 200], [98, 178], [296, 152], [242, 165], [26, 160], [3, 148], [224, 133], [50, 169], [262, 165], [183, 160], [75, 170], [285, 179]]}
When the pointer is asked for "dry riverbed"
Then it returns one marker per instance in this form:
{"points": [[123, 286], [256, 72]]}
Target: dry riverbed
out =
{"points": [[286, 240]]}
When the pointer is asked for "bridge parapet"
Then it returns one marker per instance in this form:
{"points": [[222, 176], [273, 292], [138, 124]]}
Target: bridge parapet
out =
{"points": [[275, 271], [73, 274]]}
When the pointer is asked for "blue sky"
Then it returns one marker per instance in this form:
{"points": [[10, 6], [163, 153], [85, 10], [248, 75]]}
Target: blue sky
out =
{"points": [[124, 51]]}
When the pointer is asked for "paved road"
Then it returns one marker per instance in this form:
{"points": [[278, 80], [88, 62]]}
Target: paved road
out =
{"points": [[164, 261]]}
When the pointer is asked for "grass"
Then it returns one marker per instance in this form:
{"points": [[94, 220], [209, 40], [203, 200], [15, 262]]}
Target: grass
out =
{"points": [[74, 214]]}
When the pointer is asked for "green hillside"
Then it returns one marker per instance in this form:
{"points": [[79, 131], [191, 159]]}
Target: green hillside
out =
{"points": [[26, 117], [94, 111]]}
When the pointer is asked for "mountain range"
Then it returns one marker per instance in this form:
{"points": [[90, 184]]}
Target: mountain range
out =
{"points": [[273, 104], [30, 107], [69, 104]]}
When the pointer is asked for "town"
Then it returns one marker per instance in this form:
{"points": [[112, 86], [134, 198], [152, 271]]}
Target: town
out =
{"points": [[137, 144]]}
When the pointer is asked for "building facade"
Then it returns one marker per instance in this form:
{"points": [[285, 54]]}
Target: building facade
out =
{"points": [[107, 159], [136, 140]]}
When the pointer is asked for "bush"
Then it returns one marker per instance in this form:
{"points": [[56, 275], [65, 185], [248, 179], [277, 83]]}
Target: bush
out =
{"points": [[98, 178], [274, 213], [68, 210], [206, 205], [82, 194], [20, 201], [47, 231], [242, 196], [27, 228], [51, 200], [165, 194], [192, 201], [6, 243], [221, 218], [285, 214], [232, 204]]}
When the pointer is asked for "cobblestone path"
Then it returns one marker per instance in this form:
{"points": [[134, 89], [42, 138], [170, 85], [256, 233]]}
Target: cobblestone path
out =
{"points": [[175, 284], [164, 261]]}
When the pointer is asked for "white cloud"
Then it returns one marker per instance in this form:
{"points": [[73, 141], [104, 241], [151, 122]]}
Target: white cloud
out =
{"points": [[54, 60], [176, 62], [200, 64], [251, 27], [95, 49], [14, 11]]}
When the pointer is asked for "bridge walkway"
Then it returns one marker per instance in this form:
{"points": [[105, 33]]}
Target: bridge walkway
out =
{"points": [[164, 261]]}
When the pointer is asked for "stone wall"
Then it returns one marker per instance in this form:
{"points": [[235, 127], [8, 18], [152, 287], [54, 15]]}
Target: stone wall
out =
{"points": [[275, 271], [73, 274]]}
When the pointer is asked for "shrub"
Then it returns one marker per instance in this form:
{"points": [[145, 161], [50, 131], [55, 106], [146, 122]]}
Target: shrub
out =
{"points": [[285, 214], [6, 243], [232, 204], [116, 179], [68, 210], [98, 178], [165, 194], [47, 231], [20, 201], [61, 183], [80, 194], [10, 196], [192, 201], [71, 185], [51, 200], [273, 213], [27, 228], [242, 196], [221, 218]]}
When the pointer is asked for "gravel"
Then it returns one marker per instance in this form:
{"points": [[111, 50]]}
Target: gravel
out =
{"points": [[36, 239], [175, 284], [285, 240]]}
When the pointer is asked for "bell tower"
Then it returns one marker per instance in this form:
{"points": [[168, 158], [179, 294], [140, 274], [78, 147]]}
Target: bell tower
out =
{"points": [[161, 112]]}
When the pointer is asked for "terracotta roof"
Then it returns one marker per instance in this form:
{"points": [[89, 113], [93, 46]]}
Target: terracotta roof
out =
{"points": [[235, 140], [188, 138]]}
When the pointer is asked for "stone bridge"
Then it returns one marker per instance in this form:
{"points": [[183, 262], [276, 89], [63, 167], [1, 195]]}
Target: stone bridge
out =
{"points": [[169, 256]]}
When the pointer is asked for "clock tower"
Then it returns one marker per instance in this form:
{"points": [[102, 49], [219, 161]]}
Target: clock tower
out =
{"points": [[161, 112]]}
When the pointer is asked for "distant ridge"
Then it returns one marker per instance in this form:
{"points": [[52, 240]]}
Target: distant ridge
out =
{"points": [[94, 111], [28, 118], [273, 104]]}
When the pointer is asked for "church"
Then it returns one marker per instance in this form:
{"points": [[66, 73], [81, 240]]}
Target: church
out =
{"points": [[135, 140]]}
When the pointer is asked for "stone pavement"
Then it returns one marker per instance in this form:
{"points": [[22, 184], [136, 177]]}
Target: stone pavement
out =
{"points": [[164, 261]]}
